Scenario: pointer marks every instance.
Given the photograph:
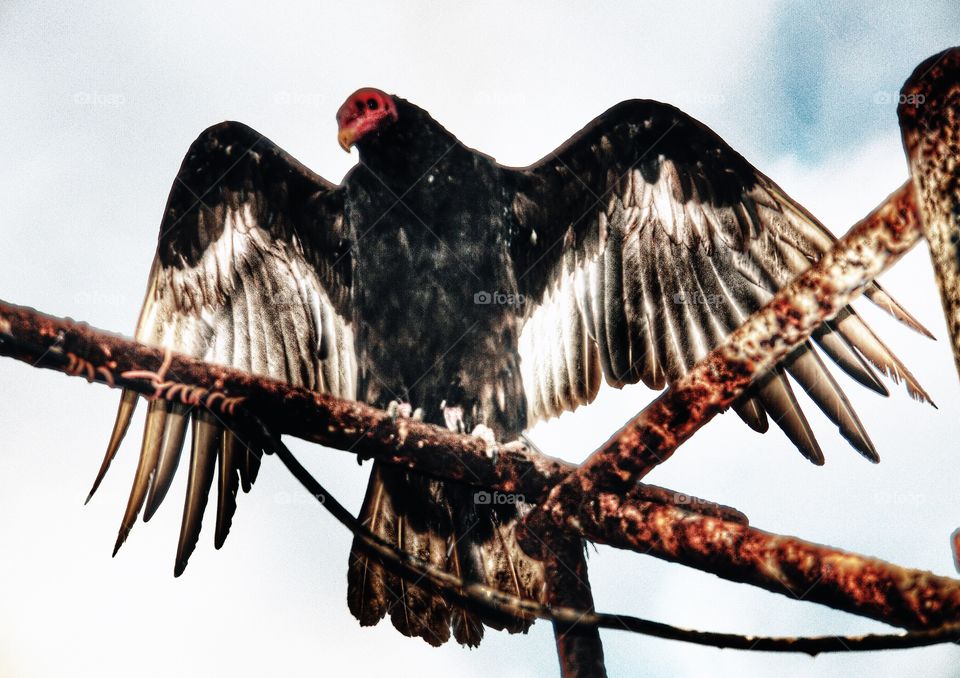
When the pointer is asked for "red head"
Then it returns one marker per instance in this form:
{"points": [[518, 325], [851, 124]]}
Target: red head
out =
{"points": [[365, 111]]}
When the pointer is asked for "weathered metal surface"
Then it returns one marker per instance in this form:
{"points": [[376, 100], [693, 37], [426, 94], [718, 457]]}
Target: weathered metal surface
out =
{"points": [[80, 350], [579, 647], [789, 566], [637, 520], [465, 593], [929, 112], [648, 512], [77, 349], [767, 336]]}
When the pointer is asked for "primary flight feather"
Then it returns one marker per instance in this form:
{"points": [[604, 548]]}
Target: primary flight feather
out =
{"points": [[437, 283]]}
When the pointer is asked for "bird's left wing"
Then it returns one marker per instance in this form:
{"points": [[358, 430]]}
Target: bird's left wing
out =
{"points": [[252, 271], [642, 242]]}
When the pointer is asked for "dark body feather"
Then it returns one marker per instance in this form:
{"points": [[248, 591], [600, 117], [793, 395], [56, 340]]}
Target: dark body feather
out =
{"points": [[429, 220], [429, 240]]}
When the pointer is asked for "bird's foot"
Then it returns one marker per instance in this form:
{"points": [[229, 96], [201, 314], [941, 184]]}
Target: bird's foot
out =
{"points": [[485, 433], [397, 410], [453, 418]]}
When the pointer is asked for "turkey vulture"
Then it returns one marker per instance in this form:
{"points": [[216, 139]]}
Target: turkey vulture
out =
{"points": [[435, 282]]}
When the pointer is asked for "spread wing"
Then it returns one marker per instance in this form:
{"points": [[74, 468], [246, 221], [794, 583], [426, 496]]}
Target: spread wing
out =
{"points": [[252, 271], [642, 242]]}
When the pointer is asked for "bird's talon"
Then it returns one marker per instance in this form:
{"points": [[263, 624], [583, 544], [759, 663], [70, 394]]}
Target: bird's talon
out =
{"points": [[397, 409], [453, 417], [486, 434]]}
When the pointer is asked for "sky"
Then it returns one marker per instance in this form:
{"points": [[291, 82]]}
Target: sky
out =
{"points": [[100, 102]]}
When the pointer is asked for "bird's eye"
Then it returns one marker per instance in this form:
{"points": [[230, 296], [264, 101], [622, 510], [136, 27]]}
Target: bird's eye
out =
{"points": [[372, 104]]}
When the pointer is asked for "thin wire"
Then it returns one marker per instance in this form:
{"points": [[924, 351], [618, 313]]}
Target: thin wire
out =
{"points": [[462, 592]]}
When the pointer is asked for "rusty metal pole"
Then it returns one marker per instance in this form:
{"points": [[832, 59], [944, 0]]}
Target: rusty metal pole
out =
{"points": [[579, 647], [785, 565], [929, 112], [930, 124], [76, 349], [657, 521]]}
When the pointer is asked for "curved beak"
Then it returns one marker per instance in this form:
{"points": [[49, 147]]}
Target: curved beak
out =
{"points": [[347, 137]]}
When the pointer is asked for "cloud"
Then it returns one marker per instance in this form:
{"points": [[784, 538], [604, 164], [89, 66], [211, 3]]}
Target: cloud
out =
{"points": [[831, 72]]}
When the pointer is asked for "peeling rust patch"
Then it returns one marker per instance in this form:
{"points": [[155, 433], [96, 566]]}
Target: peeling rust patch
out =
{"points": [[912, 599], [929, 115]]}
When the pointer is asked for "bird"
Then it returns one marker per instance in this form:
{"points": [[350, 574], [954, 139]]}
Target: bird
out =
{"points": [[439, 284]]}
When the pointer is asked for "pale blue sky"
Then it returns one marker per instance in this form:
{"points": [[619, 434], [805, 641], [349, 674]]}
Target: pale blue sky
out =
{"points": [[822, 53], [99, 106]]}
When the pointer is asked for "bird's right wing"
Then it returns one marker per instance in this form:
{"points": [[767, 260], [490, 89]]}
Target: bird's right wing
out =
{"points": [[252, 271], [646, 239]]}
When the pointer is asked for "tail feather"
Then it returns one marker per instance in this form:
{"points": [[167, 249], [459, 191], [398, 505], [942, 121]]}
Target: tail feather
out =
{"points": [[228, 469], [859, 335], [367, 595], [491, 545], [203, 456], [879, 296], [174, 434], [417, 611], [249, 468], [366, 577], [439, 523], [752, 413], [128, 403], [467, 627], [163, 439], [465, 550], [851, 362], [372, 591], [146, 468], [781, 404], [423, 530], [515, 573], [479, 562], [809, 371]]}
